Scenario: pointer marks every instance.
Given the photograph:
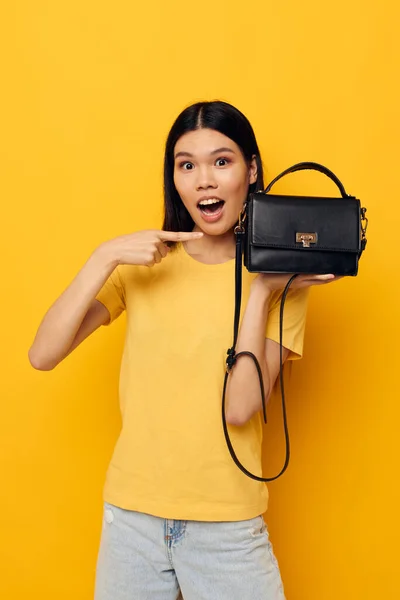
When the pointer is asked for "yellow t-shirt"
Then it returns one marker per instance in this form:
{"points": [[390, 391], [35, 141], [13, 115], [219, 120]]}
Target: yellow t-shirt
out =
{"points": [[171, 459]]}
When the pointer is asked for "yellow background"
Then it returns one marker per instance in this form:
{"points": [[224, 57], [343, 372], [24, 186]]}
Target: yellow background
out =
{"points": [[89, 92]]}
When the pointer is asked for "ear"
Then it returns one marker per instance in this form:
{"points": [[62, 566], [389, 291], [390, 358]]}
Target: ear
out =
{"points": [[253, 170]]}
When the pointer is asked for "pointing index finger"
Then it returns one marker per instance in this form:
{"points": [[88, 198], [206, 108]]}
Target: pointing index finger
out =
{"points": [[179, 236]]}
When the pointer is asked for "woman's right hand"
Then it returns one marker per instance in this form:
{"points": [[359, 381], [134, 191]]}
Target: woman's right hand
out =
{"points": [[145, 247]]}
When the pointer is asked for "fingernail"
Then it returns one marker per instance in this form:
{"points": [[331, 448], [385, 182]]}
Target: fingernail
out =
{"points": [[198, 233]]}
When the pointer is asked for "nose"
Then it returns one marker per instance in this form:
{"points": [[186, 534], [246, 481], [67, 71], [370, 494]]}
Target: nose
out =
{"points": [[205, 178]]}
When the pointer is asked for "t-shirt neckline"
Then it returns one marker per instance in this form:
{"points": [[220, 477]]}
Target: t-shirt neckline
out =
{"points": [[188, 256]]}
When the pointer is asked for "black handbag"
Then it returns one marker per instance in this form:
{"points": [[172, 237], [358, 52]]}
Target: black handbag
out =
{"points": [[293, 235]]}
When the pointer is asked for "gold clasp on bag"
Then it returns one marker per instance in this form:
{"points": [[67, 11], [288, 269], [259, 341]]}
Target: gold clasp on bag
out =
{"points": [[364, 223], [242, 218], [306, 239]]}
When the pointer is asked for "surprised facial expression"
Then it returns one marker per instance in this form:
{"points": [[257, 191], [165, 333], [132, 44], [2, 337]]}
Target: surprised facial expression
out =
{"points": [[212, 178]]}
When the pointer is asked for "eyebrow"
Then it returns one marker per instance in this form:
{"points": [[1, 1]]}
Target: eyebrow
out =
{"points": [[217, 151]]}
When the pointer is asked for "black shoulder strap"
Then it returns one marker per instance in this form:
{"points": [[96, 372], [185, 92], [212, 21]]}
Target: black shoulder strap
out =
{"points": [[232, 357]]}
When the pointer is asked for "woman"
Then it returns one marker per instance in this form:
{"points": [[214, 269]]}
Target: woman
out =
{"points": [[179, 516]]}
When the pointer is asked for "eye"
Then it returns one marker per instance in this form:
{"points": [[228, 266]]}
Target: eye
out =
{"points": [[223, 160], [183, 164]]}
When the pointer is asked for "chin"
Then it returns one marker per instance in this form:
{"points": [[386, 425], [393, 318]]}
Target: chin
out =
{"points": [[218, 228]]}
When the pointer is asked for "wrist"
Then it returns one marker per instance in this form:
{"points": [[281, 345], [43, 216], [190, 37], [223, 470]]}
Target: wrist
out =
{"points": [[260, 291], [105, 256]]}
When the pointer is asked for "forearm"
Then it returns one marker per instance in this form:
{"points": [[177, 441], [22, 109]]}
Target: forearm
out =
{"points": [[61, 323], [243, 388]]}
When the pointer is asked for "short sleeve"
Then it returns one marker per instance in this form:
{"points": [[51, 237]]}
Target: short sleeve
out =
{"points": [[294, 321], [112, 295]]}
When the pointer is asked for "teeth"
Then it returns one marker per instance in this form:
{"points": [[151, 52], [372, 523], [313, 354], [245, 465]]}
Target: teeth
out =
{"points": [[209, 201]]}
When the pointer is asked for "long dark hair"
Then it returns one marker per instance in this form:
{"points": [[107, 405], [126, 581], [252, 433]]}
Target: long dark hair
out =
{"points": [[222, 117]]}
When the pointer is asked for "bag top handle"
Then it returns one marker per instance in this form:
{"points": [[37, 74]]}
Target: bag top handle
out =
{"points": [[302, 166]]}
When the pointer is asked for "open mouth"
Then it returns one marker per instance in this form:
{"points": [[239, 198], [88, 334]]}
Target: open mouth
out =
{"points": [[211, 207]]}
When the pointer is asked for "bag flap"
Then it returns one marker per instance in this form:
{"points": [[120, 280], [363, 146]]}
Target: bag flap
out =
{"points": [[276, 221]]}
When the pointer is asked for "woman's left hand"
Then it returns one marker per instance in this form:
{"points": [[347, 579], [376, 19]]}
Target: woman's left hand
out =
{"points": [[272, 281]]}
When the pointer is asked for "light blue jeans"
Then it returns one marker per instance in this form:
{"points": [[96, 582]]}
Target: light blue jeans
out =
{"points": [[143, 557]]}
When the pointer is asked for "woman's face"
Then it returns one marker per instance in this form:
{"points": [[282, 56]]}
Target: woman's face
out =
{"points": [[212, 179]]}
